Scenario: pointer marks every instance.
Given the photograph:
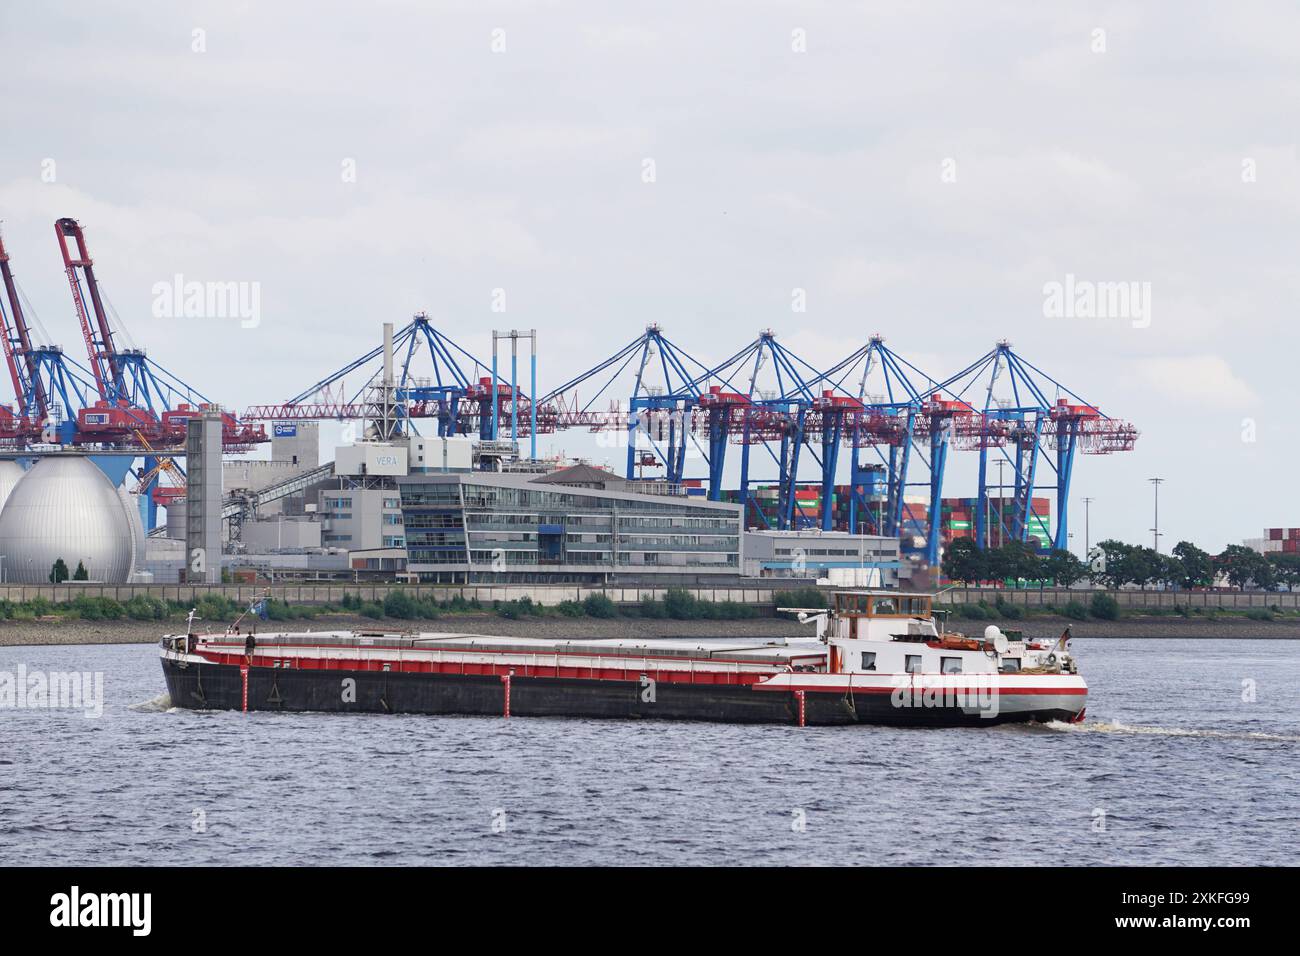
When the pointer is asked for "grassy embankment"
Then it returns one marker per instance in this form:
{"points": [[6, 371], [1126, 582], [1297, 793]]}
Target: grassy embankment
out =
{"points": [[398, 605], [1103, 607]]}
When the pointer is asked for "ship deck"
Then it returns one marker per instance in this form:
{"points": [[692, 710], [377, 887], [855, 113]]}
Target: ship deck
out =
{"points": [[321, 648]]}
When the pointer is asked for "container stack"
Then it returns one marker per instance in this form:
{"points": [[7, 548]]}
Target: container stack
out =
{"points": [[958, 518], [1281, 540]]}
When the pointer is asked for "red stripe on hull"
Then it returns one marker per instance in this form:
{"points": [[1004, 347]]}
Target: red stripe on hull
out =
{"points": [[922, 688], [484, 669]]}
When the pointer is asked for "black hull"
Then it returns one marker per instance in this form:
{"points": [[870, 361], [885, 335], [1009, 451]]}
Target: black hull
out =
{"points": [[220, 687]]}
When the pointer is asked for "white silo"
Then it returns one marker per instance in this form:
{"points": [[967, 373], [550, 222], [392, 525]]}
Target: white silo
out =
{"points": [[131, 508], [65, 507], [10, 474]]}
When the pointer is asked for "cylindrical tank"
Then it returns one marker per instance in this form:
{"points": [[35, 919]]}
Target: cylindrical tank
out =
{"points": [[176, 519], [65, 507]]}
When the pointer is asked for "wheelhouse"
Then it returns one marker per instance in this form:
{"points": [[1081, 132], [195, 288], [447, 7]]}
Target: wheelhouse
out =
{"points": [[882, 604]]}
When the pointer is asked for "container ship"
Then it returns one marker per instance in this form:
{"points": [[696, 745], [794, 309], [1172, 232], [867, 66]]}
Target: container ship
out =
{"points": [[876, 657]]}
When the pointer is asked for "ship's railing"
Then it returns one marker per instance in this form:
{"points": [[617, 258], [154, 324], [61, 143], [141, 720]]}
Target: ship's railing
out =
{"points": [[428, 643], [580, 657]]}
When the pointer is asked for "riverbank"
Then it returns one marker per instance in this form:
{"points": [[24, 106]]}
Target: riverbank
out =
{"points": [[71, 631]]}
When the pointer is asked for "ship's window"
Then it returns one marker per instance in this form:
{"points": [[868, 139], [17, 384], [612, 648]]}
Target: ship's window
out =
{"points": [[868, 660], [950, 665], [885, 606], [1010, 665], [913, 664]]}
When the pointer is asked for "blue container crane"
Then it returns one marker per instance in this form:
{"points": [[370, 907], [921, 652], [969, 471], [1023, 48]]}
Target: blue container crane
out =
{"points": [[1025, 416], [659, 412], [450, 396]]}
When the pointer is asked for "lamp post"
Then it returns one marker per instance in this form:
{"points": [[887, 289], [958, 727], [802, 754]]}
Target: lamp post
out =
{"points": [[1087, 537], [1155, 521]]}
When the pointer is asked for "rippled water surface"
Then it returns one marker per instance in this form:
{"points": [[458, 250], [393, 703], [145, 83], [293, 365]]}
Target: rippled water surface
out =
{"points": [[1172, 766]]}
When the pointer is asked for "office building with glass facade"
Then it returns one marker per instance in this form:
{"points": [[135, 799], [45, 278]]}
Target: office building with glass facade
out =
{"points": [[578, 525]]}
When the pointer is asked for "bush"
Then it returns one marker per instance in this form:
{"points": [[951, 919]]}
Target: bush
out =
{"points": [[1104, 607], [142, 607], [95, 608], [681, 605], [1075, 611], [371, 609], [570, 608], [800, 597], [215, 607], [1008, 611], [400, 605], [281, 610], [733, 610], [652, 608], [1259, 614], [970, 612], [598, 605], [513, 610]]}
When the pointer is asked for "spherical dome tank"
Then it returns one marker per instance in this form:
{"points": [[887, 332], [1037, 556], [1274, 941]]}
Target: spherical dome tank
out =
{"points": [[64, 507], [10, 473]]}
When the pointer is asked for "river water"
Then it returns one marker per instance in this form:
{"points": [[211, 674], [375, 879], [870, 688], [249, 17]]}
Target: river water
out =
{"points": [[1190, 755]]}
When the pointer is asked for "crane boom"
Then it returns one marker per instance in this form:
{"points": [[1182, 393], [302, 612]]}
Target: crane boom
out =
{"points": [[23, 370], [99, 336]]}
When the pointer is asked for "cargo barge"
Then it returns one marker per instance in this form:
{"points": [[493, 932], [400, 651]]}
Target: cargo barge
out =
{"points": [[876, 658]]}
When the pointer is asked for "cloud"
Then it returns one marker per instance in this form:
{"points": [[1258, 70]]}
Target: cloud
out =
{"points": [[1203, 380]]}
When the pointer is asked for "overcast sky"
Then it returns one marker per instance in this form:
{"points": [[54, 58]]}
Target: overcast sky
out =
{"points": [[922, 174]]}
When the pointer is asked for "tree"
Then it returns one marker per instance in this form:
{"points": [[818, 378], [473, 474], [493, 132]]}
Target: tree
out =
{"points": [[59, 572], [997, 565], [964, 562], [1197, 566], [1144, 566], [1064, 568], [1114, 569], [1244, 566], [80, 574], [1286, 568], [1023, 561]]}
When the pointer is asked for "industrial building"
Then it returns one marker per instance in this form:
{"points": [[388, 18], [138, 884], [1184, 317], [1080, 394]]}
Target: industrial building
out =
{"points": [[347, 516], [577, 525], [823, 554], [295, 450]]}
